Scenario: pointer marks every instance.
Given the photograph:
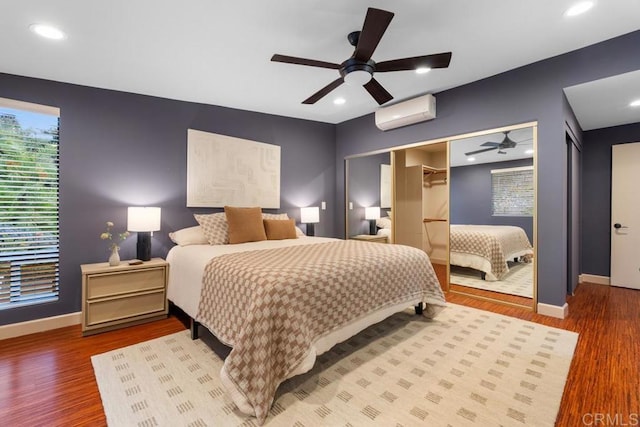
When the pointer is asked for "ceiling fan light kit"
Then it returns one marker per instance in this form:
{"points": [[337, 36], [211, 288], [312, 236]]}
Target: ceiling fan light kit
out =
{"points": [[357, 77], [359, 69]]}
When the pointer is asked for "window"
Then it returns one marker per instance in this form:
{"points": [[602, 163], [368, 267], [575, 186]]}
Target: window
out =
{"points": [[28, 203], [512, 191]]}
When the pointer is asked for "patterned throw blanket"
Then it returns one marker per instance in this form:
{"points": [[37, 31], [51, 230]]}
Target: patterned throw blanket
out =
{"points": [[495, 243], [271, 305]]}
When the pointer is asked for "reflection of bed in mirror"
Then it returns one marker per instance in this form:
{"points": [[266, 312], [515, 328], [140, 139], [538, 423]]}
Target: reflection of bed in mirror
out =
{"points": [[489, 248], [492, 187]]}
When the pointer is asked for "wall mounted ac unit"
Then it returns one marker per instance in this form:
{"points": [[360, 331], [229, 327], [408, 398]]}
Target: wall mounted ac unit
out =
{"points": [[407, 112]]}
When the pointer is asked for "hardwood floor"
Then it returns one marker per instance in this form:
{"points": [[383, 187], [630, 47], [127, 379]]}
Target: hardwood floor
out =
{"points": [[47, 379]]}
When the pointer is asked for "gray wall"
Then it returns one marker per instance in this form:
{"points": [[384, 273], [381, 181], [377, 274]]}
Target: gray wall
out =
{"points": [[470, 201], [596, 194], [531, 93], [119, 149]]}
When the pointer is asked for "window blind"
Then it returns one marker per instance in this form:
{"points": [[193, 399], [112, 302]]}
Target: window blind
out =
{"points": [[512, 191], [29, 226]]}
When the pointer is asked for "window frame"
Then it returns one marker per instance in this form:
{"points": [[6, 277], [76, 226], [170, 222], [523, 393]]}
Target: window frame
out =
{"points": [[30, 244], [524, 209]]}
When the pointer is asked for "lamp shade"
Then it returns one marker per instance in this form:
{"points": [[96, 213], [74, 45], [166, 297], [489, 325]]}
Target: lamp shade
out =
{"points": [[143, 219], [310, 215], [372, 212]]}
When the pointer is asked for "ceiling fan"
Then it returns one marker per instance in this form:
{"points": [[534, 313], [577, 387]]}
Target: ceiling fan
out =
{"points": [[359, 68], [500, 146]]}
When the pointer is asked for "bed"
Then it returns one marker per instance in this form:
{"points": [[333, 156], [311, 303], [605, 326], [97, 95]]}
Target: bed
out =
{"points": [[488, 248], [280, 303]]}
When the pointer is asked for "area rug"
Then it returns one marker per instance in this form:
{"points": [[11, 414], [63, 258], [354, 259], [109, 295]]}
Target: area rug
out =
{"points": [[518, 281], [467, 367]]}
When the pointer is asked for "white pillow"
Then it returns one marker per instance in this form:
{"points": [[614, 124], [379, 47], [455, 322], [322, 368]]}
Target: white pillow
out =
{"points": [[189, 236], [384, 222]]}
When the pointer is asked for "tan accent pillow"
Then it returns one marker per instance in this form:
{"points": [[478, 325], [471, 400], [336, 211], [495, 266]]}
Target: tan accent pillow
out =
{"points": [[280, 229], [299, 232], [245, 224], [215, 227]]}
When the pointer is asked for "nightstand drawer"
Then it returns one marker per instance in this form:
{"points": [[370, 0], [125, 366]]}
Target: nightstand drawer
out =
{"points": [[118, 308], [100, 285]]}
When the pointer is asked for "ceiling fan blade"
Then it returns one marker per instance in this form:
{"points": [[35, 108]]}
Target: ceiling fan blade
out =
{"points": [[490, 144], [304, 61], [324, 91], [375, 24], [438, 60], [379, 93], [470, 153]]}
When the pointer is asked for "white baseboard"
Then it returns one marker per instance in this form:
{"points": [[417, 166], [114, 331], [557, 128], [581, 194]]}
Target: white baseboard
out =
{"points": [[40, 325], [592, 278], [557, 311]]}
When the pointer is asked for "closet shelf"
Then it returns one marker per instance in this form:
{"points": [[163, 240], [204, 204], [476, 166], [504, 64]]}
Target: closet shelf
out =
{"points": [[430, 170], [428, 174]]}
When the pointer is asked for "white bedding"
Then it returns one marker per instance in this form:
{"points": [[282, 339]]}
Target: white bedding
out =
{"points": [[487, 248]]}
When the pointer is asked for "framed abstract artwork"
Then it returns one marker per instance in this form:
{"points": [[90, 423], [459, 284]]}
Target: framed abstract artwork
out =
{"points": [[228, 171]]}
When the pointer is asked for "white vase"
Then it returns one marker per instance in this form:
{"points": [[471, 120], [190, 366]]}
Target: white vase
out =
{"points": [[114, 258]]}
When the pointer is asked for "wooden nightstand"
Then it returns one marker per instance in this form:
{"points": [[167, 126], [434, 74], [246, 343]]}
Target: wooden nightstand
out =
{"points": [[114, 297], [370, 238]]}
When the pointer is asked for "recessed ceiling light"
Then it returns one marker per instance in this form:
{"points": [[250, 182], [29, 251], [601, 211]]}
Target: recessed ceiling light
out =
{"points": [[635, 103], [471, 159], [529, 151], [47, 31], [422, 70], [339, 101], [579, 8]]}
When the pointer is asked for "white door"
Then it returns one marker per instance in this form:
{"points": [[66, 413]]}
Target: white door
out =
{"points": [[625, 216]]}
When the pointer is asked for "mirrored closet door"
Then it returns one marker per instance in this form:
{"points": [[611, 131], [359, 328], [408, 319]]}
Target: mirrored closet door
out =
{"points": [[468, 201], [492, 215], [368, 187]]}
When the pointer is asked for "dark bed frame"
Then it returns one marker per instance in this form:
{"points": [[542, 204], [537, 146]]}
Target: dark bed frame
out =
{"points": [[194, 325]]}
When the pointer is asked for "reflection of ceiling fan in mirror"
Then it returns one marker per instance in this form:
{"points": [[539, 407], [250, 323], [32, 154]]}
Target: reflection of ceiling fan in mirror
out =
{"points": [[500, 146]]}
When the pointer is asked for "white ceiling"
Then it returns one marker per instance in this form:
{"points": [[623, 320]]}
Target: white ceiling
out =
{"points": [[218, 52], [605, 102]]}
